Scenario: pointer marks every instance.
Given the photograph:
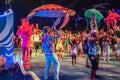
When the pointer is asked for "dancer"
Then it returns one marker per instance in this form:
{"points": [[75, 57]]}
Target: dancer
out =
{"points": [[106, 48], [73, 52], [50, 55], [80, 47], [25, 31], [116, 48], [93, 52]]}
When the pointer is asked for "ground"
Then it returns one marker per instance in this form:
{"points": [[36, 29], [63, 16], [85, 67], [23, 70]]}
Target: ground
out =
{"points": [[80, 72]]}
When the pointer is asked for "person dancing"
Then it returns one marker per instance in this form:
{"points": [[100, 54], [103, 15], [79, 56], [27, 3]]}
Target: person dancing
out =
{"points": [[106, 48], [94, 51], [25, 31], [50, 55], [73, 52]]}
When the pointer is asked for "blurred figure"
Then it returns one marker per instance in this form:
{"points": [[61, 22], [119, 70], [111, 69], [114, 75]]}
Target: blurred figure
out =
{"points": [[59, 47], [25, 31], [73, 52], [94, 51], [49, 52], [36, 39], [106, 49]]}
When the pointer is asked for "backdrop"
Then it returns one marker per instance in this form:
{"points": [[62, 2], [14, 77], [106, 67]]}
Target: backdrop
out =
{"points": [[6, 37]]}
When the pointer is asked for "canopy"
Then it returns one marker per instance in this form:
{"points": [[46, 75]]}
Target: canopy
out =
{"points": [[50, 10]]}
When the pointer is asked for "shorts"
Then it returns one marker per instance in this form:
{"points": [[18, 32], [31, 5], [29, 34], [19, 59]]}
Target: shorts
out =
{"points": [[73, 55], [36, 45]]}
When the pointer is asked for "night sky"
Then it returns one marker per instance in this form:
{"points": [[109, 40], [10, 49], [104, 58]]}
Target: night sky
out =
{"points": [[22, 8]]}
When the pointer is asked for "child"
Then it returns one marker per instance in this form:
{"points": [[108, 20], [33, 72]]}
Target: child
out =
{"points": [[73, 52]]}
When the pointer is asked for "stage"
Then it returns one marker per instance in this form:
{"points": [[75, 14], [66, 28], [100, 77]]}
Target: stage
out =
{"points": [[80, 72]]}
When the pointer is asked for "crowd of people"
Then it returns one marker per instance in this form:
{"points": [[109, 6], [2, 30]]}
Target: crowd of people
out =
{"points": [[92, 42], [74, 43]]}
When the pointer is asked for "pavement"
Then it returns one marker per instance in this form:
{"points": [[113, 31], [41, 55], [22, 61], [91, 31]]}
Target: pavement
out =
{"points": [[80, 72]]}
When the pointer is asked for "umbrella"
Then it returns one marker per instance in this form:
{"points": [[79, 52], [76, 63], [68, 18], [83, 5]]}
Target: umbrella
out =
{"points": [[88, 13], [50, 10]]}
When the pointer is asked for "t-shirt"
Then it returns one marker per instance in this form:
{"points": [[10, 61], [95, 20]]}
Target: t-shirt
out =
{"points": [[93, 48]]}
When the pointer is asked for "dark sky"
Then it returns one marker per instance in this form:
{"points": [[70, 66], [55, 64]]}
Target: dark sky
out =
{"points": [[22, 8]]}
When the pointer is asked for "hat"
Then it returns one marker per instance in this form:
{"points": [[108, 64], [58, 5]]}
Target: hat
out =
{"points": [[93, 32]]}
